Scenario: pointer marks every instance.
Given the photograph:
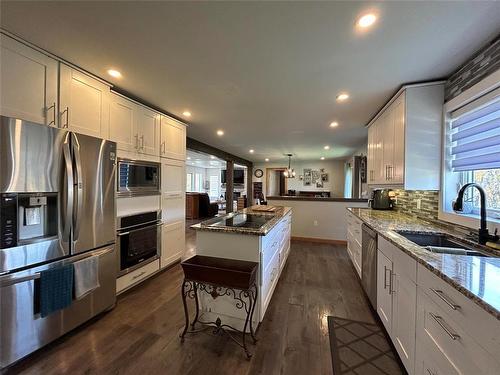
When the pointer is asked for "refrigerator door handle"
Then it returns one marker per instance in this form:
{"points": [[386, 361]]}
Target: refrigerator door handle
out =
{"points": [[69, 188], [78, 187]]}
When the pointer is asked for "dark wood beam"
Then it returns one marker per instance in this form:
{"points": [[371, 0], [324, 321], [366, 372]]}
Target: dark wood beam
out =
{"points": [[229, 185], [193, 144]]}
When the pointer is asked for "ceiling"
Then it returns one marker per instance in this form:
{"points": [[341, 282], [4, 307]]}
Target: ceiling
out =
{"points": [[201, 160], [266, 73]]}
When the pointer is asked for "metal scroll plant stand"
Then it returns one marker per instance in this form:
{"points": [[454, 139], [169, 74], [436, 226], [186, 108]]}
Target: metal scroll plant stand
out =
{"points": [[245, 299]]}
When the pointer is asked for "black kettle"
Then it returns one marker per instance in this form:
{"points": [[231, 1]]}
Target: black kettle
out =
{"points": [[381, 200]]}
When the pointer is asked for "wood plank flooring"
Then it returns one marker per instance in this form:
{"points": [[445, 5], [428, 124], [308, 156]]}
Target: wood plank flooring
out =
{"points": [[140, 335]]}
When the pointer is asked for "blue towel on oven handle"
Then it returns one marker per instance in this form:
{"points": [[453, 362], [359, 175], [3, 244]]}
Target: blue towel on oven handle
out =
{"points": [[56, 289]]}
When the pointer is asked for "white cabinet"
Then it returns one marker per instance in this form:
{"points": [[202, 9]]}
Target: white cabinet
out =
{"points": [[84, 103], [122, 123], [354, 241], [172, 243], [397, 298], [173, 139], [28, 83], [148, 131], [404, 139], [173, 187], [134, 127]]}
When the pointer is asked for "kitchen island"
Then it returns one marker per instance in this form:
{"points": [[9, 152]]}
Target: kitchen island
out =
{"points": [[250, 235]]}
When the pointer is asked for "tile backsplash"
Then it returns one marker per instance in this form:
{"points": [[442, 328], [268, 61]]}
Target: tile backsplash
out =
{"points": [[407, 201]]}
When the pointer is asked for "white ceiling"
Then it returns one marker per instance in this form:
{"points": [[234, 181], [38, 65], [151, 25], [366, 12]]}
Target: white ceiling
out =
{"points": [[266, 73], [198, 159]]}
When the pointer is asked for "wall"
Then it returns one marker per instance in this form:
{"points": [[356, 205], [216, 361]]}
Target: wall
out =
{"points": [[319, 219], [334, 168], [479, 66]]}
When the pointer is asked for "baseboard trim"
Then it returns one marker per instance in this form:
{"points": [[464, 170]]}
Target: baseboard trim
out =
{"points": [[319, 240]]}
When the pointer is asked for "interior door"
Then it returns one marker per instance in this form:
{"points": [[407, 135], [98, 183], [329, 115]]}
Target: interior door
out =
{"points": [[28, 82], [94, 167]]}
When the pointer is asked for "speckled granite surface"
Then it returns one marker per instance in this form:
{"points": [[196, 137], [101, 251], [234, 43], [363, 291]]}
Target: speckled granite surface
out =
{"points": [[262, 231], [475, 277]]}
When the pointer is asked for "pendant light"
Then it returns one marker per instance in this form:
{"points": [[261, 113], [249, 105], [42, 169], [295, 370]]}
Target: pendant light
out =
{"points": [[289, 173]]}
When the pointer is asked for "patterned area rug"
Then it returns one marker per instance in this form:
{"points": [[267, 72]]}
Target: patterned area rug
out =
{"points": [[361, 348]]}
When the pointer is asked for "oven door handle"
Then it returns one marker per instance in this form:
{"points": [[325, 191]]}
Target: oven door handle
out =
{"points": [[135, 230]]}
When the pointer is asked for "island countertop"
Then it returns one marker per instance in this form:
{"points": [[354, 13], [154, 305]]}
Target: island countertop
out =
{"points": [[479, 283], [276, 215], [315, 199]]}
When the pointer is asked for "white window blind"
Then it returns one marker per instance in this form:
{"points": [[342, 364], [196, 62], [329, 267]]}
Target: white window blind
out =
{"points": [[475, 135]]}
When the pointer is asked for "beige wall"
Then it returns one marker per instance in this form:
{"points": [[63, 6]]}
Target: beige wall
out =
{"points": [[334, 168]]}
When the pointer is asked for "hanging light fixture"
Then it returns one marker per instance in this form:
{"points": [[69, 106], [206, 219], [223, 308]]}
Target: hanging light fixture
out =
{"points": [[289, 173]]}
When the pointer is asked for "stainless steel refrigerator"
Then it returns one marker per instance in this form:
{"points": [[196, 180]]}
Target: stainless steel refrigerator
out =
{"points": [[57, 206]]}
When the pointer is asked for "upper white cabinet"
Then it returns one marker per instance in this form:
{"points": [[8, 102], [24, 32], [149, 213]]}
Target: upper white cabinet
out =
{"points": [[84, 103], [28, 83], [122, 114], [148, 131], [173, 139], [134, 127], [404, 139]]}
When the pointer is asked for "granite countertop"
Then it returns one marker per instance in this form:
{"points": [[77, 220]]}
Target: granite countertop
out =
{"points": [[475, 277], [317, 199], [262, 231]]}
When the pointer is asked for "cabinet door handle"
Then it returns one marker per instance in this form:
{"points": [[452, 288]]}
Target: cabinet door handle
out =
{"points": [[443, 297], [66, 124], [53, 107], [163, 148], [385, 277], [391, 282], [136, 141], [142, 142], [439, 320]]}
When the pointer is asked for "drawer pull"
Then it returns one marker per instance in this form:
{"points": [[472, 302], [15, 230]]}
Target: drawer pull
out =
{"points": [[442, 296], [139, 275], [439, 320]]}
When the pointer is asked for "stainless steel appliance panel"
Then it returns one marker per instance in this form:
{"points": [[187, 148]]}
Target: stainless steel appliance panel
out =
{"points": [[24, 332], [369, 264], [94, 166], [13, 258], [30, 156], [138, 177]]}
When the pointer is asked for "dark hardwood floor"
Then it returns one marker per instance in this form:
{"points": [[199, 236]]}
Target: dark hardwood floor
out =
{"points": [[140, 335]]}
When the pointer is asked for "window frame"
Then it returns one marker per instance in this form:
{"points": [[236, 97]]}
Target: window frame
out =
{"points": [[480, 89]]}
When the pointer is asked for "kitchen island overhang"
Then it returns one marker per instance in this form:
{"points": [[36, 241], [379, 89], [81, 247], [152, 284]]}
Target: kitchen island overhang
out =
{"points": [[267, 244]]}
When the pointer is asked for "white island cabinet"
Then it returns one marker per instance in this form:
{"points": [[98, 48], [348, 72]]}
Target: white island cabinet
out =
{"points": [[269, 246]]}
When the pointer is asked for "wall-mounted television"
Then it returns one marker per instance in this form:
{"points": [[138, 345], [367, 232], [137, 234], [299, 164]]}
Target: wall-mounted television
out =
{"points": [[238, 178]]}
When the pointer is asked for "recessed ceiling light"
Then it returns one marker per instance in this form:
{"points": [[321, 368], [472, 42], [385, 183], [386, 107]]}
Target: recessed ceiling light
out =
{"points": [[220, 133], [266, 159], [251, 151], [186, 113], [326, 147], [322, 158], [367, 20], [114, 73], [189, 158], [334, 124], [342, 96], [212, 157]]}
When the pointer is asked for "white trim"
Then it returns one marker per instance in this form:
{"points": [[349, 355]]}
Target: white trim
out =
{"points": [[486, 85]]}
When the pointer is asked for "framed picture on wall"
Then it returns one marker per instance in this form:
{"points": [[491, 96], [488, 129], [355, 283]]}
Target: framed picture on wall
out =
{"points": [[307, 177], [324, 177]]}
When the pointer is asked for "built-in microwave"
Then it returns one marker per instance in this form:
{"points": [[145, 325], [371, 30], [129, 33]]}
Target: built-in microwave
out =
{"points": [[137, 177]]}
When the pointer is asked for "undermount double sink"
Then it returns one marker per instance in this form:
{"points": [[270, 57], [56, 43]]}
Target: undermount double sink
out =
{"points": [[441, 243]]}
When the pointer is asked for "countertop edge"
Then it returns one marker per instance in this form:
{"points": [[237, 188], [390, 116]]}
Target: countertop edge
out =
{"points": [[317, 199], [464, 291]]}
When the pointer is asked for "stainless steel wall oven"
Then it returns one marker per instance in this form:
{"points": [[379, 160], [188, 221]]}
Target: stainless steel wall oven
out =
{"points": [[139, 239]]}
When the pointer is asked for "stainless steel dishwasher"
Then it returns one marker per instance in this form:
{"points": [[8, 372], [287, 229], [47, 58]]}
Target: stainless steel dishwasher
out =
{"points": [[369, 263]]}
